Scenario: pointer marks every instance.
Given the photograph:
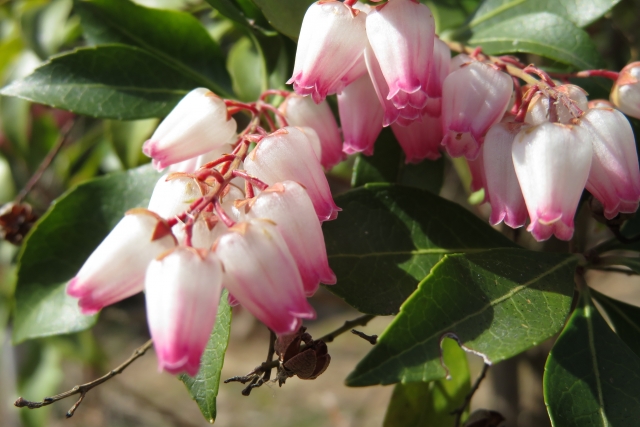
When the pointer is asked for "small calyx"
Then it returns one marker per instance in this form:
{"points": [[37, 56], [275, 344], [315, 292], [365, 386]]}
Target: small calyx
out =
{"points": [[301, 355], [16, 219]]}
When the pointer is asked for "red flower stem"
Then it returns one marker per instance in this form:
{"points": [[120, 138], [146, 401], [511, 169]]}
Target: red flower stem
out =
{"points": [[277, 92], [281, 118], [222, 214], [241, 105], [248, 190], [518, 90], [267, 117], [507, 59], [525, 103], [607, 74], [542, 74], [252, 179]]}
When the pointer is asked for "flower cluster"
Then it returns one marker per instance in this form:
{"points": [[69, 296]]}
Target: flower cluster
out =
{"points": [[224, 216], [533, 149]]}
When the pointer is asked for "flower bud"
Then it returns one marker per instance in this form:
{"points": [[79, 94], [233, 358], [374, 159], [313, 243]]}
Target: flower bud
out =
{"points": [[360, 115], [571, 103], [288, 205], [401, 34], [173, 194], [625, 93], [182, 290], [614, 178], [420, 139], [474, 98], [116, 268], [502, 186], [302, 111], [197, 125], [288, 155], [328, 26], [552, 162], [263, 276]]}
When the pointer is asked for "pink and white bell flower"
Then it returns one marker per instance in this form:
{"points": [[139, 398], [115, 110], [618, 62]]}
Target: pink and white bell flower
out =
{"points": [[287, 154], [420, 139], [198, 124], [502, 186], [328, 26], [614, 178], [401, 34], [552, 162], [361, 116], [625, 93], [262, 275], [570, 104], [474, 98], [288, 205], [116, 268], [459, 61], [355, 72], [439, 71], [182, 291], [173, 194], [302, 111]]}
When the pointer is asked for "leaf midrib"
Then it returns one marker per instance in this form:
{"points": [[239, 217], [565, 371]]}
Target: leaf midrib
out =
{"points": [[490, 304], [594, 360], [417, 252]]}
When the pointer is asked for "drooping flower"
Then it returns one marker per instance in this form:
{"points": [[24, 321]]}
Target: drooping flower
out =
{"points": [[288, 155], [502, 186], [625, 93], [197, 125], [474, 98], [420, 139], [302, 111], [182, 291], [614, 178], [361, 116], [552, 162], [288, 205], [263, 276], [116, 268], [328, 26], [439, 71], [401, 34]]}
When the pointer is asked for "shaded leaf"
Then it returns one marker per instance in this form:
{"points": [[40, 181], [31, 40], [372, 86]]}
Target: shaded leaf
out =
{"points": [[285, 15], [498, 302], [204, 386], [543, 34], [61, 241], [108, 81], [430, 404], [396, 235], [173, 37], [247, 70], [624, 317], [451, 14], [127, 138], [580, 13], [591, 377]]}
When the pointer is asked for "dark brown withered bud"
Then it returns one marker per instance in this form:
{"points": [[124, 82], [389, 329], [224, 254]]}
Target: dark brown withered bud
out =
{"points": [[301, 356], [15, 221]]}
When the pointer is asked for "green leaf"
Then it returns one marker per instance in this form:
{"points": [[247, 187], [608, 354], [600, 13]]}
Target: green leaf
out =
{"points": [[580, 13], [451, 14], [127, 138], [285, 15], [204, 386], [624, 317], [247, 70], [498, 302], [396, 235], [175, 38], [231, 10], [430, 404], [109, 81], [591, 377], [387, 165], [543, 34], [61, 241]]}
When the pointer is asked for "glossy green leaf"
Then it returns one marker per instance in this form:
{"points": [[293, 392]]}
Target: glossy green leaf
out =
{"points": [[387, 165], [59, 244], [450, 14], [591, 378], [396, 235], [285, 15], [498, 302], [204, 386], [247, 70], [580, 13], [127, 138], [108, 81], [430, 404], [231, 10], [624, 317], [173, 37], [543, 34]]}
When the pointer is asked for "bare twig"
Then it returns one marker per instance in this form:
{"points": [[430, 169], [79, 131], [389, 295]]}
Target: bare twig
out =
{"points": [[348, 325], [64, 133], [83, 389], [373, 339], [467, 399]]}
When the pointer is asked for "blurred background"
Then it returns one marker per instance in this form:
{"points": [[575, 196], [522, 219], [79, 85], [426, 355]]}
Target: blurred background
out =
{"points": [[33, 30]]}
